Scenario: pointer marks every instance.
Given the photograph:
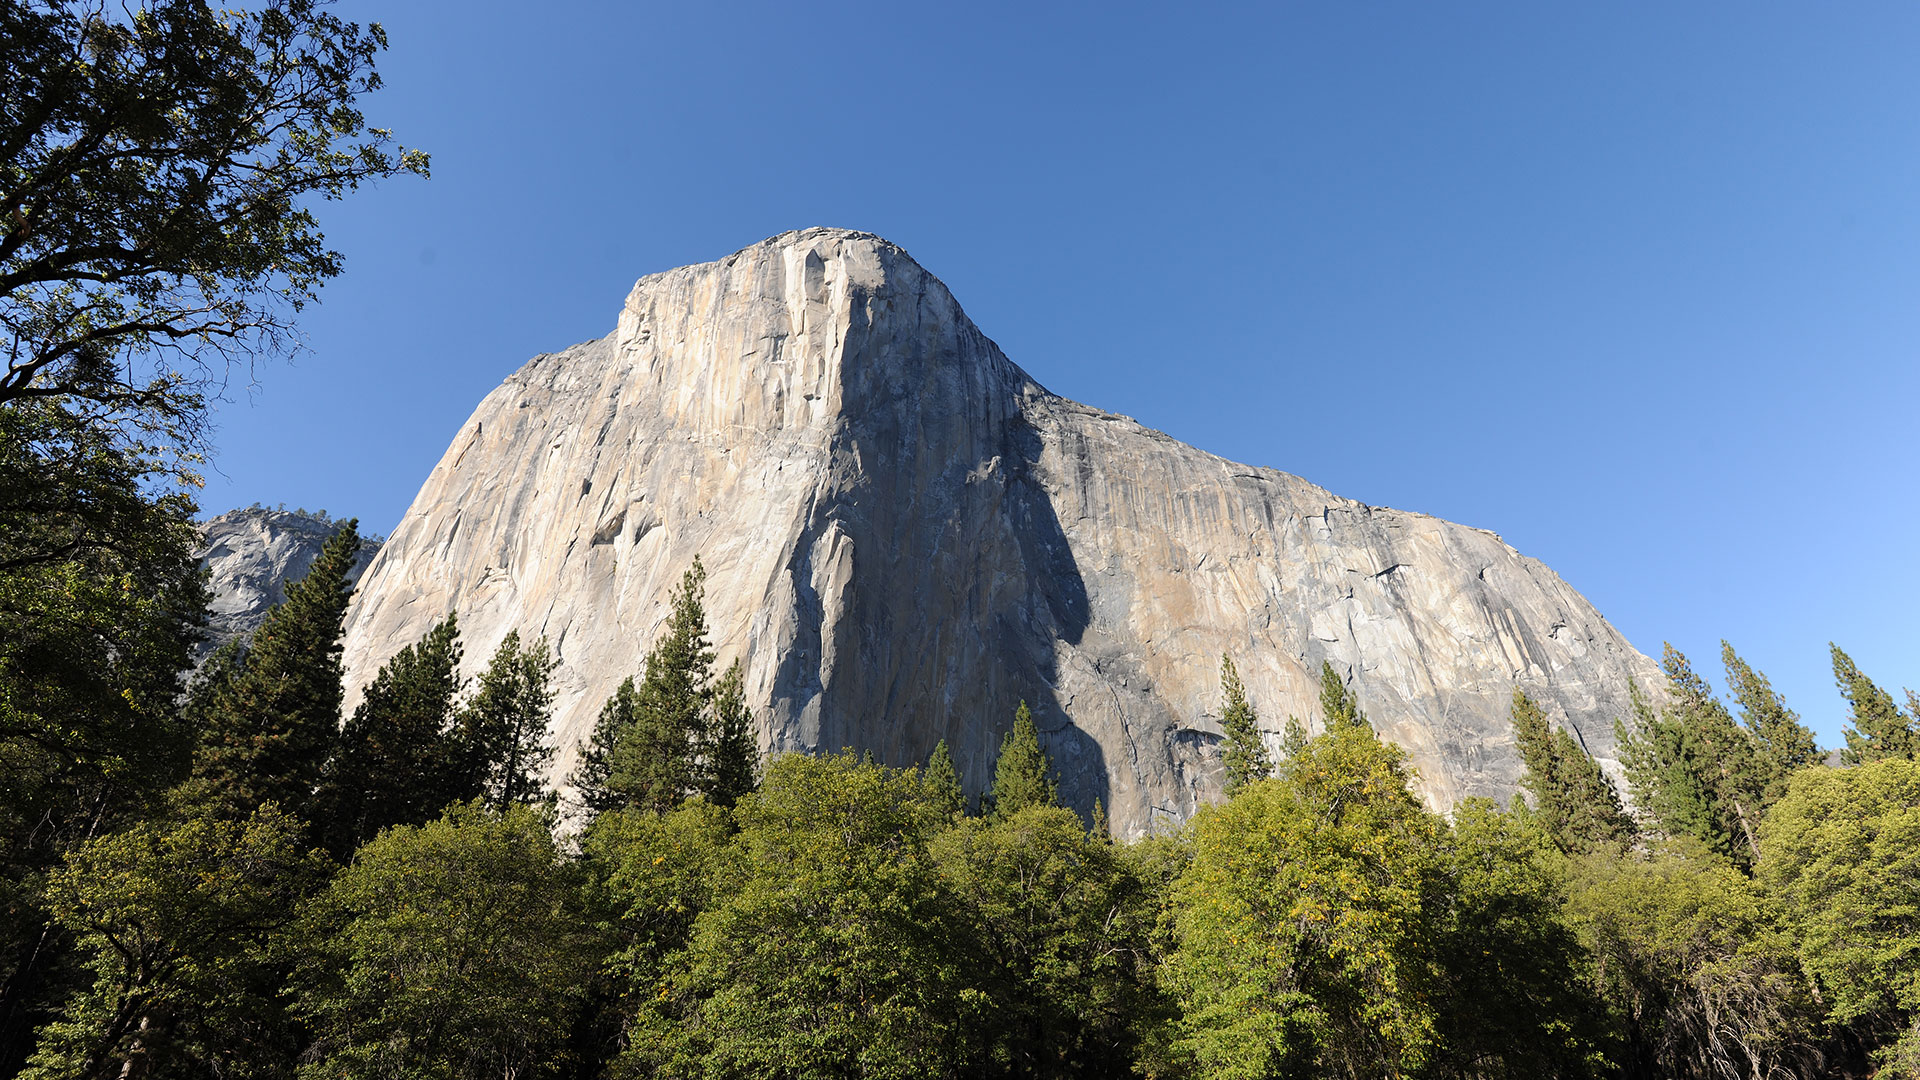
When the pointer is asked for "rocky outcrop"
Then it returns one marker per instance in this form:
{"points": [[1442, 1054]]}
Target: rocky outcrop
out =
{"points": [[907, 535], [251, 555]]}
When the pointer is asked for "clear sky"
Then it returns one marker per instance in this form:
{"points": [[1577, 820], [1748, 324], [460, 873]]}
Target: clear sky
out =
{"points": [[1636, 286]]}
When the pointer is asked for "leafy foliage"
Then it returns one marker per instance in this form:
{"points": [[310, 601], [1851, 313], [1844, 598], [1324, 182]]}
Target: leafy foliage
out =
{"points": [[157, 181], [177, 921], [450, 949]]}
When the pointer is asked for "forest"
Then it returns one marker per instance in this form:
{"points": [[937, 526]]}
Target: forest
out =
{"points": [[240, 881]]}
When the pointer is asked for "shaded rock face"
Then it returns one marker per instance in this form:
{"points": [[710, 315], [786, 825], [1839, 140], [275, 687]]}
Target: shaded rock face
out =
{"points": [[250, 556], [906, 536]]}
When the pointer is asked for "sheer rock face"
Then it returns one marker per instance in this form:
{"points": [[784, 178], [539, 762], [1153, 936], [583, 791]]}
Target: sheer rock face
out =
{"points": [[250, 556], [906, 536]]}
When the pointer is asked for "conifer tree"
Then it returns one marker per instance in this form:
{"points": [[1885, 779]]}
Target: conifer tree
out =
{"points": [[942, 780], [1023, 775], [1244, 755], [1876, 728], [1338, 705], [654, 762], [395, 764], [592, 776], [269, 722], [1293, 738], [1102, 829], [1695, 771], [1784, 744], [502, 732], [1572, 796], [730, 759]]}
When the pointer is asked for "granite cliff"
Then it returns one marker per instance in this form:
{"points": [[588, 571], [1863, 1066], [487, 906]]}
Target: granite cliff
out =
{"points": [[251, 555], [907, 535]]}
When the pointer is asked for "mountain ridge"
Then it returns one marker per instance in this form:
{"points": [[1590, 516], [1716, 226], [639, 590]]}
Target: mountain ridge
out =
{"points": [[908, 534]]}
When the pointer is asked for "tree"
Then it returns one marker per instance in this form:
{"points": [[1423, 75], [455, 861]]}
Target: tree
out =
{"points": [[1338, 705], [832, 949], [1784, 744], [101, 599], [396, 762], [1683, 952], [1572, 796], [1510, 988], [269, 717], [1842, 860], [1244, 754], [649, 876], [591, 779], [178, 921], [1022, 774], [1299, 926], [942, 780], [451, 949], [1693, 770], [654, 758], [1063, 927], [502, 732], [1876, 727], [730, 757], [157, 183]]}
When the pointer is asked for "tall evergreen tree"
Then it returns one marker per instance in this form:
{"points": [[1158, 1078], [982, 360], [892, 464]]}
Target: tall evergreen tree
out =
{"points": [[1338, 705], [396, 764], [1695, 771], [1784, 744], [942, 781], [1572, 796], [1293, 738], [654, 760], [502, 733], [1023, 775], [1244, 755], [269, 721], [1876, 728], [592, 775], [730, 758]]}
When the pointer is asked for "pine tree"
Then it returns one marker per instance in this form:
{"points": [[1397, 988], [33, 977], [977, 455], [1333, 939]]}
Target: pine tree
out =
{"points": [[1693, 769], [502, 743], [942, 781], [1023, 775], [730, 760], [655, 760], [1102, 830], [592, 776], [269, 722], [1293, 738], [1572, 796], [1784, 744], [1244, 755], [1877, 729], [1338, 705], [395, 764]]}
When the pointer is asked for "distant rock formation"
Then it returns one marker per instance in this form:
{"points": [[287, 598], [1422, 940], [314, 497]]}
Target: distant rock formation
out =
{"points": [[907, 535], [251, 555]]}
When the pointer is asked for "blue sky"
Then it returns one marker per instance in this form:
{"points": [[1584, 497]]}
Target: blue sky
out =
{"points": [[1636, 286]]}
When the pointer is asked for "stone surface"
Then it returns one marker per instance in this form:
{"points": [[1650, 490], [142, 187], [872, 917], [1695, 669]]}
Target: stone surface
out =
{"points": [[907, 535], [250, 556]]}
